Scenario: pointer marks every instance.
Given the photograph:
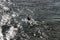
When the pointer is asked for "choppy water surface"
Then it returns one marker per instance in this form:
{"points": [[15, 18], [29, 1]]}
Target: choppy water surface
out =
{"points": [[29, 20]]}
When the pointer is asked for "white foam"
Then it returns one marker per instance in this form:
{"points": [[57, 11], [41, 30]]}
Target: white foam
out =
{"points": [[11, 33], [13, 15], [5, 8], [1, 35]]}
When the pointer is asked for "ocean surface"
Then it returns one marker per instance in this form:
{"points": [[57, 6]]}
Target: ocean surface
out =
{"points": [[29, 19]]}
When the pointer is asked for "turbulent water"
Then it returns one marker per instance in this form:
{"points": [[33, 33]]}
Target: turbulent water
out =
{"points": [[29, 20]]}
